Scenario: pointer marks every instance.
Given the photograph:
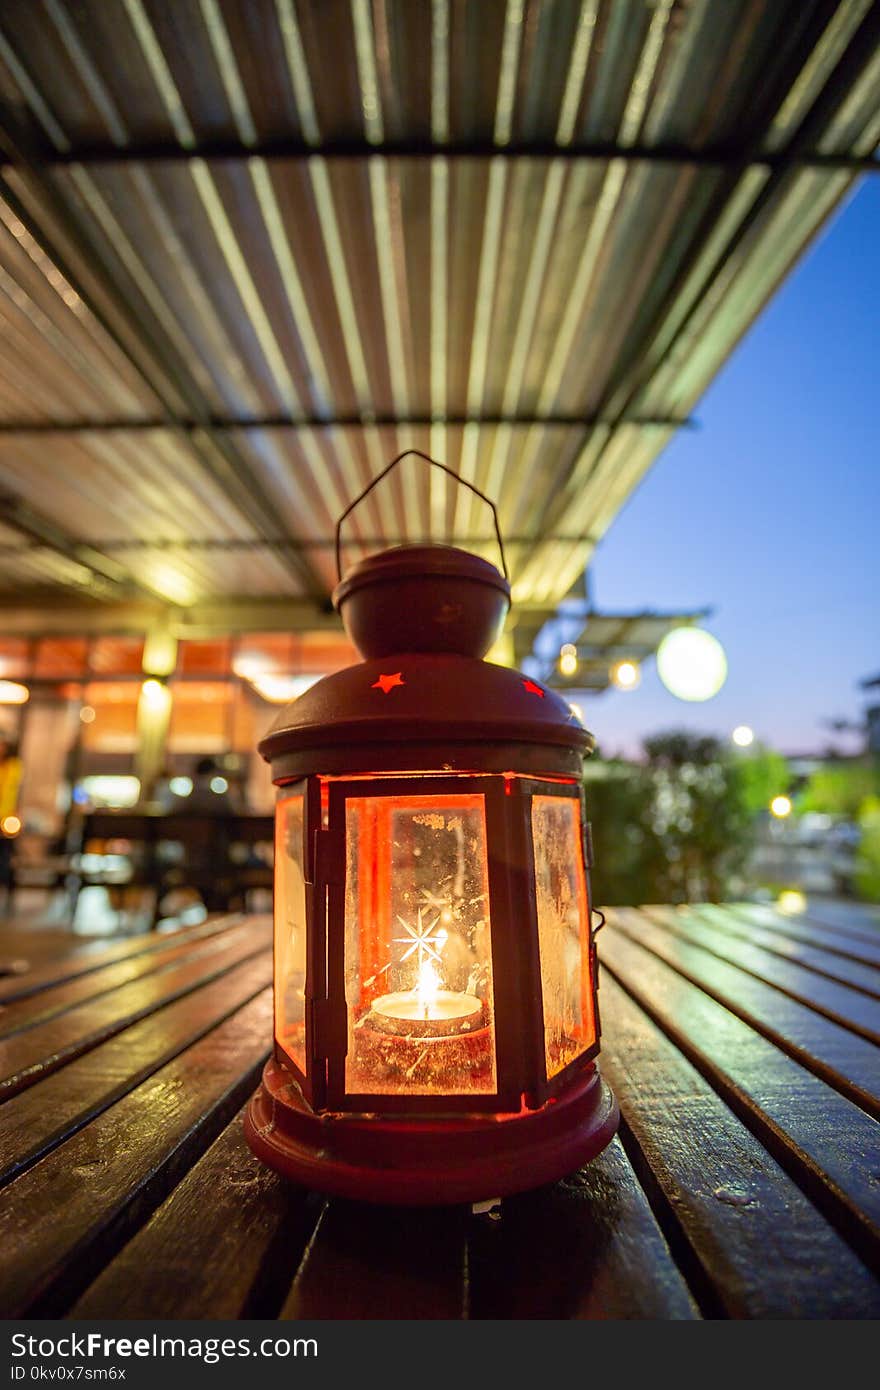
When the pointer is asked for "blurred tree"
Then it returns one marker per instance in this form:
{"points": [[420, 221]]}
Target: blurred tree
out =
{"points": [[626, 867], [678, 826], [839, 789], [760, 774], [867, 872]]}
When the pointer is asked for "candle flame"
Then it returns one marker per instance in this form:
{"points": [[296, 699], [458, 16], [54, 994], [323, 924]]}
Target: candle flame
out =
{"points": [[427, 987]]}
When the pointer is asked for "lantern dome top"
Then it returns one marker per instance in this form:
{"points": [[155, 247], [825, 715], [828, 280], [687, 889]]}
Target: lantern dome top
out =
{"points": [[423, 598], [427, 709]]}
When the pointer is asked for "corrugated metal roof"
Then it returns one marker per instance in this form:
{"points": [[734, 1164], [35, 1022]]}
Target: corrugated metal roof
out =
{"points": [[251, 249]]}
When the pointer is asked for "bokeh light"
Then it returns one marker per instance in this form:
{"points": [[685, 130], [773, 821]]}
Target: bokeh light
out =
{"points": [[691, 663]]}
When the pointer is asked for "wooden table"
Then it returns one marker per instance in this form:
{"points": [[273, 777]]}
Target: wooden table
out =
{"points": [[745, 1181]]}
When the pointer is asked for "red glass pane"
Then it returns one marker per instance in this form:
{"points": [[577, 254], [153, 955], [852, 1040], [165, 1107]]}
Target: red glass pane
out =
{"points": [[418, 961], [290, 929], [563, 930]]}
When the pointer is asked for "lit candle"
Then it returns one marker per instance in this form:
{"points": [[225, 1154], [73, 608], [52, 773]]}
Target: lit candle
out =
{"points": [[427, 1010]]}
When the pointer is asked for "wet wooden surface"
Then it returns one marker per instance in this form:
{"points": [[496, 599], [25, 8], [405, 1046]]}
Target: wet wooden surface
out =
{"points": [[744, 1182]]}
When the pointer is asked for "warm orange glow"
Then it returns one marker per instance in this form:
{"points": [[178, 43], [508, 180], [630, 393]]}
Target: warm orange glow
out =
{"points": [[428, 987], [10, 825], [13, 693], [418, 964], [290, 929], [201, 718], [563, 930]]}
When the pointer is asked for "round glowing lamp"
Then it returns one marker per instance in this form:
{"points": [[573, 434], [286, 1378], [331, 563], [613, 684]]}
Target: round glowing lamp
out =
{"points": [[780, 807], [626, 675], [436, 1017], [691, 663], [743, 736]]}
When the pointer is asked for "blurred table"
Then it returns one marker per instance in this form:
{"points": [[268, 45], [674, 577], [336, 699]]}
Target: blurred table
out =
{"points": [[222, 855], [742, 1045]]}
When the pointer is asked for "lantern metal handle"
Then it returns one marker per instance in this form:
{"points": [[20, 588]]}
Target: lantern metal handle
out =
{"points": [[436, 464], [594, 931]]}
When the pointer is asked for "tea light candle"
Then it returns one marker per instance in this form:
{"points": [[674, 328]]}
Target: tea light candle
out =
{"points": [[447, 1013], [427, 1010]]}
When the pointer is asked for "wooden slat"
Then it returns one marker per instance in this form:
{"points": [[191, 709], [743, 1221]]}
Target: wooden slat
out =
{"points": [[587, 1247], [856, 945], [382, 1262], [852, 918], [849, 972], [58, 998], [27, 1057], [761, 1248], [66, 1217], [41, 1117], [224, 1244], [25, 948], [836, 1001], [825, 1141], [80, 960], [841, 1057]]}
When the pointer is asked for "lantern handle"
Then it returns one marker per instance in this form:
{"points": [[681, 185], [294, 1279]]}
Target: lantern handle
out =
{"points": [[434, 462], [594, 931]]}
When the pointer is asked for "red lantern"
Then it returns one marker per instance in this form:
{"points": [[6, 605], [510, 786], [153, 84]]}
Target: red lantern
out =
{"points": [[436, 1019]]}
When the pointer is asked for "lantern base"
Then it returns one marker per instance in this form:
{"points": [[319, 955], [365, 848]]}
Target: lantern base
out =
{"points": [[428, 1162]]}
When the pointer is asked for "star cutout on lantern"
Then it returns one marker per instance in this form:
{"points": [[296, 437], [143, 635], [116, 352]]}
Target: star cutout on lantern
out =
{"points": [[435, 902], [386, 683], [532, 688], [419, 938]]}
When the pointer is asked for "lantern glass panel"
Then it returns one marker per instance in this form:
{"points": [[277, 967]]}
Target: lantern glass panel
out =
{"points": [[290, 928], [418, 961], [563, 930]]}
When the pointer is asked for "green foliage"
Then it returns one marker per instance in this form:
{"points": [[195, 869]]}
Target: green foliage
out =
{"points": [[760, 776], [840, 789], [677, 827], [867, 874]]}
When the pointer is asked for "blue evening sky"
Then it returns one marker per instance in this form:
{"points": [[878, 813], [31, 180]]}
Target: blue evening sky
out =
{"points": [[769, 513]]}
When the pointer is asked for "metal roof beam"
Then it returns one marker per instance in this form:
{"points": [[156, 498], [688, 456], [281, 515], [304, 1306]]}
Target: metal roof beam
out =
{"points": [[709, 157], [40, 614], [108, 577], [230, 545], [270, 422]]}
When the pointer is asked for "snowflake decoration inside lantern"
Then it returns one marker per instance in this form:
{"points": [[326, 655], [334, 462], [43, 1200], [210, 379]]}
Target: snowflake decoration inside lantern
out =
{"points": [[422, 939]]}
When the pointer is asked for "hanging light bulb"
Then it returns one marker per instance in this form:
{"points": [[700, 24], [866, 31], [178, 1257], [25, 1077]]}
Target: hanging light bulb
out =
{"points": [[626, 675], [568, 659]]}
